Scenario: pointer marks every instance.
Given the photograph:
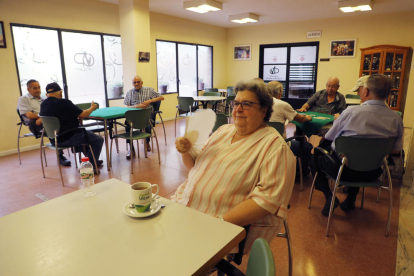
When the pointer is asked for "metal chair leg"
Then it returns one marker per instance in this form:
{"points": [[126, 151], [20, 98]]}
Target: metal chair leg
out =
{"points": [[58, 161], [390, 191], [18, 145], [363, 196], [165, 136], [334, 196], [175, 124], [41, 156], [286, 235], [301, 174], [311, 191]]}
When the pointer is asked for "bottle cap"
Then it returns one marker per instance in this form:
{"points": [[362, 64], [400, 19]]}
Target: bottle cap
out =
{"points": [[85, 159]]}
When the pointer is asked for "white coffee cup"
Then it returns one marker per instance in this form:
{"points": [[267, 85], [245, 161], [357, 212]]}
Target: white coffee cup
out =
{"points": [[142, 197]]}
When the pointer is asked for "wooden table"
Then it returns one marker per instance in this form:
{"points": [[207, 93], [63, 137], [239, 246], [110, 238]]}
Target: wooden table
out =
{"points": [[205, 99], [73, 235], [106, 114], [318, 121]]}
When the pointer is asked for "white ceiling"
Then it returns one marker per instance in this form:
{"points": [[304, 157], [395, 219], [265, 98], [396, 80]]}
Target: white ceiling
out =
{"points": [[271, 11]]}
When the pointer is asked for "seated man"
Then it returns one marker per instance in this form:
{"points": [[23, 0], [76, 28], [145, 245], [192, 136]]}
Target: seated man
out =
{"points": [[328, 100], [141, 97], [283, 111], [68, 115], [29, 108], [371, 119]]}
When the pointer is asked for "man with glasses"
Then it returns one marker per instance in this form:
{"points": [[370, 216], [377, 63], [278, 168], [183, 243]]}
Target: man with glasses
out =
{"points": [[328, 100], [140, 97], [29, 108]]}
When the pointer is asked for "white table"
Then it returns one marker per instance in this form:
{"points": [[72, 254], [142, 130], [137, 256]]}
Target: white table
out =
{"points": [[73, 235], [351, 101], [205, 99]]}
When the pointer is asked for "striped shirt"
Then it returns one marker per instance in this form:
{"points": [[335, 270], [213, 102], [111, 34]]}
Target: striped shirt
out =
{"points": [[259, 167], [134, 97]]}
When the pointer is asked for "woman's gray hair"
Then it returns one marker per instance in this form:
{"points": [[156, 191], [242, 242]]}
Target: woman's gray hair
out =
{"points": [[262, 93]]}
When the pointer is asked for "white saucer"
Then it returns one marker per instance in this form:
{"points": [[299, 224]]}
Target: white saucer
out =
{"points": [[132, 212]]}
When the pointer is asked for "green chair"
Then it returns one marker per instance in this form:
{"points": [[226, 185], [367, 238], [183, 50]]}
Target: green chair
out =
{"points": [[260, 262], [185, 106], [138, 119], [220, 120], [211, 90], [230, 91], [20, 124], [352, 96], [51, 130], [213, 103], [360, 154], [280, 127], [227, 106]]}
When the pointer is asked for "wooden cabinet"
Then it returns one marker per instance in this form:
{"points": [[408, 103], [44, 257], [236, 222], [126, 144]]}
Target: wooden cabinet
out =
{"points": [[389, 60]]}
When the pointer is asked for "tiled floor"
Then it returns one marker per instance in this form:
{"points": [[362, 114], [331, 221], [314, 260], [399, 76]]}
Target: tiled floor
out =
{"points": [[357, 245]]}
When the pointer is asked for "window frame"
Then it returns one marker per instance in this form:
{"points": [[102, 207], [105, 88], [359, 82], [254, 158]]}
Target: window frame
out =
{"points": [[59, 32]]}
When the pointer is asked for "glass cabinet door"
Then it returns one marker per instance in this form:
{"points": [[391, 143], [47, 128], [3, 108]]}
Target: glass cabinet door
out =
{"points": [[371, 63]]}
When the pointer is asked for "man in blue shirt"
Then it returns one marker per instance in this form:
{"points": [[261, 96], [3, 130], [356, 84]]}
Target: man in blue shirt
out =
{"points": [[373, 119]]}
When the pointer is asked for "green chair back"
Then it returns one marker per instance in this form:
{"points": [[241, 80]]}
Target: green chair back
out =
{"points": [[212, 94], [185, 103], [221, 119], [363, 154], [138, 118], [230, 99], [50, 124], [85, 106], [280, 127], [352, 96], [230, 91], [211, 90], [260, 260]]}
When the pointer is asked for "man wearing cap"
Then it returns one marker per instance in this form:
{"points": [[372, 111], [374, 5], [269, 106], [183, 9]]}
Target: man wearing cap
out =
{"points": [[140, 97], [68, 115], [371, 119], [29, 108], [328, 100], [359, 86]]}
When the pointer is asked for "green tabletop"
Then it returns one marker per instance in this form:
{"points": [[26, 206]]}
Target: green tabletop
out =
{"points": [[111, 112], [318, 121]]}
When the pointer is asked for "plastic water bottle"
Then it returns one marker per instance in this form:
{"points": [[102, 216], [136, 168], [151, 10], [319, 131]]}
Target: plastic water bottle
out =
{"points": [[87, 177]]}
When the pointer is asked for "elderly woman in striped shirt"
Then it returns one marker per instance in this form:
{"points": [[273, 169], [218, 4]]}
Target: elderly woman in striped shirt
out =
{"points": [[245, 173]]}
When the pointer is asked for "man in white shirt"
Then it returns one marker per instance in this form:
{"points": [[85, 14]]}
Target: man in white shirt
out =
{"points": [[283, 111], [29, 108]]}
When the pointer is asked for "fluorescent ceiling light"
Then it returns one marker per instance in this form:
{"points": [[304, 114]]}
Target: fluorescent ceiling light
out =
{"points": [[202, 6], [244, 18], [355, 5]]}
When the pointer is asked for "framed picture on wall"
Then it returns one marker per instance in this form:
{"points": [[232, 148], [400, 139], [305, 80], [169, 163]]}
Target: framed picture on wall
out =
{"points": [[342, 48], [2, 36], [242, 52], [144, 57]]}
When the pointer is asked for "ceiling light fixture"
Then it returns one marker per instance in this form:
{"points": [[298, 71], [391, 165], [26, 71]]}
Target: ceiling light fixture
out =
{"points": [[355, 5], [244, 18], [203, 6]]}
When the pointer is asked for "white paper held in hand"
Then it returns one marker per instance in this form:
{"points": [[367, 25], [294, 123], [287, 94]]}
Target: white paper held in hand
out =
{"points": [[198, 128]]}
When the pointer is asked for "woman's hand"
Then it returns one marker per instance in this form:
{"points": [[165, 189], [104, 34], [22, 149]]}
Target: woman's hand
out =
{"points": [[183, 145]]}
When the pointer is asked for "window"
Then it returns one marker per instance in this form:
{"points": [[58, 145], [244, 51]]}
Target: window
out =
{"points": [[294, 65], [75, 60], [184, 68]]}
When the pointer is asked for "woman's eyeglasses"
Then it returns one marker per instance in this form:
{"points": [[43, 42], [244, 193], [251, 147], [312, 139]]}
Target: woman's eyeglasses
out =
{"points": [[246, 105]]}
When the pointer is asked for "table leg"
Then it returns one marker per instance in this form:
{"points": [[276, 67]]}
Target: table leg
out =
{"points": [[204, 103], [108, 165]]}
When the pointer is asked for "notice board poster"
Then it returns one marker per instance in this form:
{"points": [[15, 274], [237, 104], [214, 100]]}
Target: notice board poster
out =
{"points": [[274, 72]]}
